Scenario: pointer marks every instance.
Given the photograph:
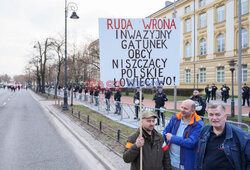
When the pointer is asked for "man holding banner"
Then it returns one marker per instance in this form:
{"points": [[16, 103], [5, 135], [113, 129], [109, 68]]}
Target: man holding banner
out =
{"points": [[154, 148]]}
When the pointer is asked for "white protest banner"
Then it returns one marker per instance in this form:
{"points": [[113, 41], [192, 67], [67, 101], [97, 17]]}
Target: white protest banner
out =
{"points": [[139, 52]]}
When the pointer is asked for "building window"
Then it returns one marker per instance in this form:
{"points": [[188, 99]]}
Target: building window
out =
{"points": [[187, 76], [188, 50], [202, 75], [203, 50], [188, 25], [244, 7], [187, 9], [220, 14], [244, 38], [220, 43], [244, 73], [220, 74], [203, 20], [202, 3]]}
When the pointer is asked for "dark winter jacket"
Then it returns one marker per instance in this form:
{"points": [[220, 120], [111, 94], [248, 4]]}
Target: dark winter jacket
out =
{"points": [[236, 147], [160, 99], [199, 101], [154, 152], [108, 94], [214, 88], [118, 96], [245, 92], [137, 96]]}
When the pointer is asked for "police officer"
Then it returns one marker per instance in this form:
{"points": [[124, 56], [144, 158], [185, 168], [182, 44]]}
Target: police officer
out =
{"points": [[86, 94], [160, 98], [225, 93], [107, 94], [80, 92], [91, 93], [213, 92], [96, 94], [137, 102], [245, 94], [199, 102], [117, 99], [208, 91]]}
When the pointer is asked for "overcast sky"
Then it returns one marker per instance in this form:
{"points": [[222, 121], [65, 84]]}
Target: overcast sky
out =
{"points": [[24, 22]]}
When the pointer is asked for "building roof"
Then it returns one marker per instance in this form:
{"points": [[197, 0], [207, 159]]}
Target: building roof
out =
{"points": [[167, 6]]}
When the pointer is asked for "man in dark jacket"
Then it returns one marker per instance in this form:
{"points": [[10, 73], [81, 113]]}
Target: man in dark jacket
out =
{"points": [[137, 102], [199, 102], [208, 92], [91, 93], [224, 93], [245, 94], [213, 92], [80, 92], [181, 135], [154, 149], [86, 93], [107, 94], [160, 98], [96, 94], [117, 99], [222, 145]]}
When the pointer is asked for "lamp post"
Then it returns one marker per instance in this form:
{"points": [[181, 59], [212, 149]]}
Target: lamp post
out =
{"points": [[73, 7], [232, 63]]}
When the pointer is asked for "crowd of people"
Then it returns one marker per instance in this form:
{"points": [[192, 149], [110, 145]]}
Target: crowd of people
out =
{"points": [[189, 143], [14, 87], [185, 139], [224, 91]]}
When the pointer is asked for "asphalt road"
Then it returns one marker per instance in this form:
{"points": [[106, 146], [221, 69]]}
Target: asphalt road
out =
{"points": [[29, 140]]}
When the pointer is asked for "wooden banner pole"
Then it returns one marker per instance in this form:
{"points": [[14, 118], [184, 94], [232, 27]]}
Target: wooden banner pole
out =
{"points": [[141, 126]]}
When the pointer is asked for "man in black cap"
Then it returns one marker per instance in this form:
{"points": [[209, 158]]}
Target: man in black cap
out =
{"points": [[137, 102], [199, 103], [160, 98], [155, 153], [245, 94]]}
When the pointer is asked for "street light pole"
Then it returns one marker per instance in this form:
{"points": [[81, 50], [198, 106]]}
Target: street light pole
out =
{"points": [[72, 7], [197, 77], [232, 63], [232, 101]]}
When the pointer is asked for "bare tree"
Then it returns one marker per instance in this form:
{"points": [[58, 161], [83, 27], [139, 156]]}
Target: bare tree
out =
{"points": [[44, 56], [5, 78], [57, 45]]}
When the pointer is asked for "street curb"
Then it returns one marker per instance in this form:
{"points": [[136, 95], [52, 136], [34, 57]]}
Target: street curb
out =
{"points": [[84, 143]]}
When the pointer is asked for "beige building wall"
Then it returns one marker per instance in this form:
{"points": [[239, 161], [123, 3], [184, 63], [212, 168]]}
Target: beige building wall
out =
{"points": [[212, 59]]}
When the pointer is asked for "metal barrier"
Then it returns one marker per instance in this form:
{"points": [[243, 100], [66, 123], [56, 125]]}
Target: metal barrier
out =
{"points": [[109, 107]]}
